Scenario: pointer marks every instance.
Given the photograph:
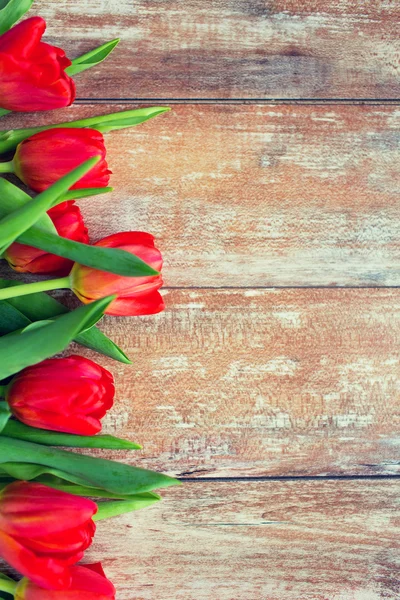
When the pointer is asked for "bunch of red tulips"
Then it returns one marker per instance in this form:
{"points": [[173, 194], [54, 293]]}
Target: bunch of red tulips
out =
{"points": [[46, 520]]}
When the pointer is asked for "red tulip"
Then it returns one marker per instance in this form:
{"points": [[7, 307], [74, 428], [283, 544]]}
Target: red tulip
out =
{"points": [[32, 74], [135, 295], [89, 582], [68, 221], [62, 394], [43, 532], [43, 158]]}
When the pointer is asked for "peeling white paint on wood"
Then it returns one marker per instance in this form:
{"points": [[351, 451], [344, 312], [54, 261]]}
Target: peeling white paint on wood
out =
{"points": [[254, 382], [274, 540], [232, 48], [321, 209], [230, 389]]}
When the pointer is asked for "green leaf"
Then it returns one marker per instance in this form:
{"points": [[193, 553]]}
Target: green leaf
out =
{"points": [[5, 595], [9, 140], [12, 197], [17, 430], [11, 11], [5, 415], [3, 112], [119, 479], [11, 319], [44, 235], [95, 339], [70, 487], [37, 307], [21, 310], [114, 508], [111, 260], [35, 325], [18, 351], [92, 58], [129, 118], [15, 223], [117, 506], [84, 193]]}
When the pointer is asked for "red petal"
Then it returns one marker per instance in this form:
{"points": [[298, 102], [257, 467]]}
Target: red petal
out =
{"points": [[23, 38], [149, 304], [88, 583], [23, 90], [32, 509], [127, 238], [46, 572]]}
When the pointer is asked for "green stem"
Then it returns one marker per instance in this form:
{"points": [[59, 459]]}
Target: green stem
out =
{"points": [[7, 167], [8, 586], [32, 288], [3, 391]]}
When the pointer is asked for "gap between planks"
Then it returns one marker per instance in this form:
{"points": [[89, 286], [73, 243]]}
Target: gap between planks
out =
{"points": [[233, 101], [282, 287], [290, 478]]}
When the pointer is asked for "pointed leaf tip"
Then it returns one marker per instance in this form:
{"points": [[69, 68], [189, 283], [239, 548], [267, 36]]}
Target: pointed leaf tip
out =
{"points": [[92, 58]]}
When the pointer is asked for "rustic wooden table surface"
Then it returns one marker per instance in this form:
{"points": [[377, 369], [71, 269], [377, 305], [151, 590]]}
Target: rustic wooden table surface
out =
{"points": [[271, 384]]}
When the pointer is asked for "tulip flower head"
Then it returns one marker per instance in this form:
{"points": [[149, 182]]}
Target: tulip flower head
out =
{"points": [[43, 158], [32, 73], [135, 295], [68, 221], [88, 582], [43, 532], [67, 394]]}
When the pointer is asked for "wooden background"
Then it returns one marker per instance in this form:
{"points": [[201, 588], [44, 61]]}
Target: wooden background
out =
{"points": [[271, 384]]}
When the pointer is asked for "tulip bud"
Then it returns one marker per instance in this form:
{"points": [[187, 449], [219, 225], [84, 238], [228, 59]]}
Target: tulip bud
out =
{"points": [[67, 394], [135, 295], [43, 532], [68, 221], [43, 158], [32, 73], [88, 582]]}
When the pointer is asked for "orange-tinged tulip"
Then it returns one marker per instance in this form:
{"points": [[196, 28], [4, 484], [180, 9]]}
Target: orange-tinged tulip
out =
{"points": [[135, 295], [43, 532]]}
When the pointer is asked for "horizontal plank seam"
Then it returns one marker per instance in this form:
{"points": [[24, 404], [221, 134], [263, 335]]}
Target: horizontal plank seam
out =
{"points": [[284, 287], [291, 478], [317, 101]]}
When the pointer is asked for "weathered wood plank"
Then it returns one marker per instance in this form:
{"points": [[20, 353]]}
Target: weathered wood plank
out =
{"points": [[262, 382], [258, 195], [292, 540], [233, 49]]}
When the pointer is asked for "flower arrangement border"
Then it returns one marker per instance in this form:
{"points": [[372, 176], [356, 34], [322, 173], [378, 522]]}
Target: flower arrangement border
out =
{"points": [[51, 497]]}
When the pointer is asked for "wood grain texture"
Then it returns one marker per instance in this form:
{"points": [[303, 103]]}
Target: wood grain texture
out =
{"points": [[233, 48], [257, 195], [249, 382], [310, 540], [261, 382]]}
